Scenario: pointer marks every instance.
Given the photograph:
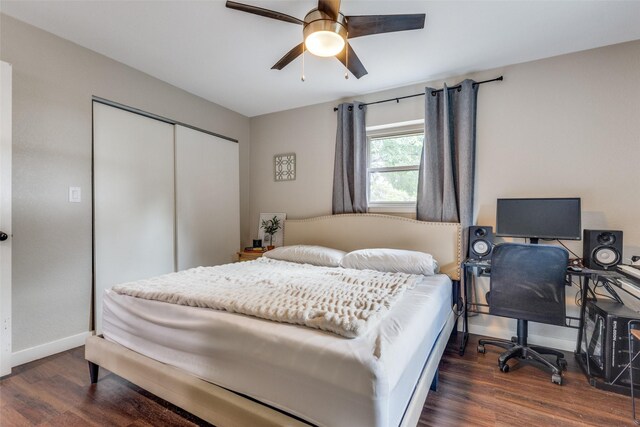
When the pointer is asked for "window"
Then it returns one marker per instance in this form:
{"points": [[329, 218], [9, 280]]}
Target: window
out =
{"points": [[393, 157]]}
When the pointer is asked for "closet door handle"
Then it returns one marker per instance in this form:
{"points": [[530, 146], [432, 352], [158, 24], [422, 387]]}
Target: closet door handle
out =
{"points": [[3, 236]]}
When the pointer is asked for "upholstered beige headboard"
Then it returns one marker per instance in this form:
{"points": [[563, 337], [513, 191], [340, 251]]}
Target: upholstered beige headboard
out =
{"points": [[349, 232]]}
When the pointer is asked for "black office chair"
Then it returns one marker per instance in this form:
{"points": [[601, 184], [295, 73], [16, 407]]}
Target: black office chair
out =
{"points": [[527, 283]]}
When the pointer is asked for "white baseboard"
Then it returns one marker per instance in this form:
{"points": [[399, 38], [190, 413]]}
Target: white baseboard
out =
{"points": [[502, 333], [38, 352]]}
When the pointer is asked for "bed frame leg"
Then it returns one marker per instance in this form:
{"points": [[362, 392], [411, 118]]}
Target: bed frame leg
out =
{"points": [[434, 383], [93, 372]]}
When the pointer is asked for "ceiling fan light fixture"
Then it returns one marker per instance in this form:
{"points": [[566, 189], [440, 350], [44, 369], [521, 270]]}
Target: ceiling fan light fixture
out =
{"points": [[324, 37], [324, 43]]}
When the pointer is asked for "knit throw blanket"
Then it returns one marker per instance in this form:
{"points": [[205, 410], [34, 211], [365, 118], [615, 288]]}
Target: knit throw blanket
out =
{"points": [[343, 301]]}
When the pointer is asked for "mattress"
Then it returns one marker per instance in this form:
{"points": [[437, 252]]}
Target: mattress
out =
{"points": [[320, 377]]}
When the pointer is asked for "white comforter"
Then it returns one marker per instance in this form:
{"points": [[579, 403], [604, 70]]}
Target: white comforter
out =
{"points": [[343, 301]]}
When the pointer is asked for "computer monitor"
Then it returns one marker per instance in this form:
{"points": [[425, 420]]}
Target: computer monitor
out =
{"points": [[539, 218]]}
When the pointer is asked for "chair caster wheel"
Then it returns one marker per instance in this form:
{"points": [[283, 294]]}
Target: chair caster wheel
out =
{"points": [[563, 364], [514, 340], [481, 349], [556, 379], [504, 368]]}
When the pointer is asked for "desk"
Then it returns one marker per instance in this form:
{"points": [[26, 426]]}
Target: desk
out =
{"points": [[587, 279], [471, 268]]}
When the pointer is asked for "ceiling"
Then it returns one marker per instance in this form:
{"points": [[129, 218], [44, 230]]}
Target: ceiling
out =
{"points": [[225, 56]]}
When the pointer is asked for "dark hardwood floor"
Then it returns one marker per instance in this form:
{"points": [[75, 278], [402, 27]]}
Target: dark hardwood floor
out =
{"points": [[473, 391], [56, 392]]}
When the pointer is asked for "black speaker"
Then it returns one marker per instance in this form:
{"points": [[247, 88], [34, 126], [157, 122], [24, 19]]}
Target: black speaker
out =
{"points": [[602, 249], [480, 242]]}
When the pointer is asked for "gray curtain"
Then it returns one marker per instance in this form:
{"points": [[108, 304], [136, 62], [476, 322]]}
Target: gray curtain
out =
{"points": [[446, 176], [350, 167]]}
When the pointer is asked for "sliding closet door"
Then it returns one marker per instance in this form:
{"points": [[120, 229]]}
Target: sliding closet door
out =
{"points": [[208, 199], [133, 199]]}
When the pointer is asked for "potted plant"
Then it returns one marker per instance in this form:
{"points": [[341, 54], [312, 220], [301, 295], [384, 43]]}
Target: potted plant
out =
{"points": [[270, 227]]}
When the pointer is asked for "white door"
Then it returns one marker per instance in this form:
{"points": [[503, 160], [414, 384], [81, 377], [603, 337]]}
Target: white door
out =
{"points": [[134, 199], [5, 218], [207, 199]]}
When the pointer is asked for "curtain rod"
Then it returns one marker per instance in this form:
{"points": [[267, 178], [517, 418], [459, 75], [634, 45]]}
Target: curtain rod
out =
{"points": [[433, 93]]}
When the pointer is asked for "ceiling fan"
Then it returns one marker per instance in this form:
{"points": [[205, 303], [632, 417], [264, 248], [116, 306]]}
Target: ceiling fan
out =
{"points": [[326, 31]]}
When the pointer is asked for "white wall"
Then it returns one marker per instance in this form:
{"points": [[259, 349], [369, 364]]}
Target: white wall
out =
{"points": [[563, 126], [53, 82]]}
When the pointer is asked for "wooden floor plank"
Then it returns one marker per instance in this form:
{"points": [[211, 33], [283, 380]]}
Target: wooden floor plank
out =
{"points": [[56, 391], [10, 417], [30, 400], [67, 419]]}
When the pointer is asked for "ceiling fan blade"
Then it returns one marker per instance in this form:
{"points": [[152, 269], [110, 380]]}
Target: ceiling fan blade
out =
{"points": [[358, 26], [290, 56], [330, 7], [352, 62], [263, 12]]}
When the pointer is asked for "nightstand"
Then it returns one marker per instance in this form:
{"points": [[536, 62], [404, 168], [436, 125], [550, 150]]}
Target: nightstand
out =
{"points": [[248, 256]]}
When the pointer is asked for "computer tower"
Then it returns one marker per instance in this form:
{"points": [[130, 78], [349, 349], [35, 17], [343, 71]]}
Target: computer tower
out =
{"points": [[606, 341]]}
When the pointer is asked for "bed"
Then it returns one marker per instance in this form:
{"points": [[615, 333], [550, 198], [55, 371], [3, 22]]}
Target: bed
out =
{"points": [[258, 372]]}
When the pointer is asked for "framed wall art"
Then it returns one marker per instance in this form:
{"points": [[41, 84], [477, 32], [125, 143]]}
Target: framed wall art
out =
{"points": [[284, 167]]}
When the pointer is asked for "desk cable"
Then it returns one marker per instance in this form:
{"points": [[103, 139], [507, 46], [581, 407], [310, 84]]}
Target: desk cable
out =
{"points": [[605, 284]]}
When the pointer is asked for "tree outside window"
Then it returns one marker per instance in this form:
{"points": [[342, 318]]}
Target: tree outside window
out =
{"points": [[393, 162]]}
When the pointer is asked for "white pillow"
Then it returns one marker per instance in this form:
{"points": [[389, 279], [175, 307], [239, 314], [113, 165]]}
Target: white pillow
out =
{"points": [[306, 254], [391, 261]]}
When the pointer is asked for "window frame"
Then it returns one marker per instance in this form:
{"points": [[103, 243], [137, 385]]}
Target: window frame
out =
{"points": [[413, 127]]}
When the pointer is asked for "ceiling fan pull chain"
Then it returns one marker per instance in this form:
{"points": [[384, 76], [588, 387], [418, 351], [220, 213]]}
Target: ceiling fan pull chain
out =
{"points": [[303, 50], [346, 60]]}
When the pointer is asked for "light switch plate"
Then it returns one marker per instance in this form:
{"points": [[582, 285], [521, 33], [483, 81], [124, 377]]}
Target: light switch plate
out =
{"points": [[75, 194]]}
